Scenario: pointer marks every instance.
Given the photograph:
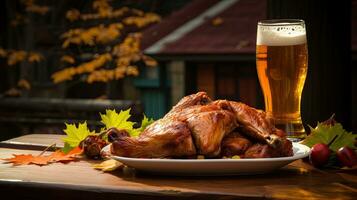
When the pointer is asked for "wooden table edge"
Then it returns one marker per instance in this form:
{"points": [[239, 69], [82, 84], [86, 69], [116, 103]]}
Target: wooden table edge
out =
{"points": [[120, 191], [25, 146]]}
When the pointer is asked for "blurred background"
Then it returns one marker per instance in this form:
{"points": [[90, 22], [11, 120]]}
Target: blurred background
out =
{"points": [[66, 61]]}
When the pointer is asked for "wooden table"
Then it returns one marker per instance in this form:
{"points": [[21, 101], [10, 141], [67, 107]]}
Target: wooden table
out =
{"points": [[77, 180]]}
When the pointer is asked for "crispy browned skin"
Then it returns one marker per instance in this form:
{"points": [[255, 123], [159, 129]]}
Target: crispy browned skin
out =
{"points": [[193, 100], [259, 150], [196, 125], [286, 148], [208, 130], [160, 140], [256, 123], [167, 137], [235, 144]]}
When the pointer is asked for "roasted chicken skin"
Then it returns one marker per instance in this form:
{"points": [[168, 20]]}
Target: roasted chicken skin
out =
{"points": [[208, 130], [196, 125], [161, 139], [193, 100], [256, 124], [235, 144], [259, 150]]}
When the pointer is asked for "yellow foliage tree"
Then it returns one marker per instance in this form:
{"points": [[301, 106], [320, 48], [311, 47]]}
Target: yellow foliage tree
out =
{"points": [[124, 46], [17, 56]]}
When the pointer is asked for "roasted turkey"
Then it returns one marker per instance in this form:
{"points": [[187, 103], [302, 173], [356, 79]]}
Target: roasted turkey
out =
{"points": [[196, 125]]}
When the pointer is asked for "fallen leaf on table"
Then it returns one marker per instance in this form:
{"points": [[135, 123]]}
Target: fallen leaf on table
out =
{"points": [[26, 159], [20, 159], [40, 160], [108, 165], [57, 156]]}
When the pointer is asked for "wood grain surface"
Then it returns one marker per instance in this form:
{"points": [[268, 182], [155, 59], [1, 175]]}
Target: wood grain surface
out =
{"points": [[34, 141], [76, 180]]}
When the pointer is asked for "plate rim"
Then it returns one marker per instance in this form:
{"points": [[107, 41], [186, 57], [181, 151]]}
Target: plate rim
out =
{"points": [[306, 151]]}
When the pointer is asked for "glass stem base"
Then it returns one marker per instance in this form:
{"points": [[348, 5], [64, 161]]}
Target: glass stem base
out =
{"points": [[295, 131]]}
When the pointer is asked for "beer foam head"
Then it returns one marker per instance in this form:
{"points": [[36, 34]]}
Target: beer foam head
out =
{"points": [[281, 35]]}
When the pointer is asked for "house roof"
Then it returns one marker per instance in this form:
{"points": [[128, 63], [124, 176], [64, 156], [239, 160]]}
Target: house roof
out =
{"points": [[175, 20], [235, 34], [207, 27]]}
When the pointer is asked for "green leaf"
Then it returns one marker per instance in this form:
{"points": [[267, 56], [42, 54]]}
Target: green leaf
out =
{"points": [[75, 134], [325, 133], [144, 123], [67, 148], [118, 120]]}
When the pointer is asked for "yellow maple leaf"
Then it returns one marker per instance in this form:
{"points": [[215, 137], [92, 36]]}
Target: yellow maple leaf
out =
{"points": [[63, 75], [34, 57], [73, 15], [132, 70], [87, 67], [68, 59], [217, 21], [13, 92], [24, 84], [3, 53], [76, 134], [16, 57], [108, 165], [141, 21], [37, 9], [149, 61]]}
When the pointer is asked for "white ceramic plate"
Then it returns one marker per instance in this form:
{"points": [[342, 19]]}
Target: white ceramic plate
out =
{"points": [[211, 166]]}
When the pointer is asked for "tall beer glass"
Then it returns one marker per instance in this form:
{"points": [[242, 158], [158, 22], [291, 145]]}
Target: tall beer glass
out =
{"points": [[282, 67]]}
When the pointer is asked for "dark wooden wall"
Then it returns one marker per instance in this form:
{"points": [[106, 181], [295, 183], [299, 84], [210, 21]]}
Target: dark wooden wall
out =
{"points": [[328, 85]]}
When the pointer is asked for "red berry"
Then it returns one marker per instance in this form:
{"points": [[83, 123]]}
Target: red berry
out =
{"points": [[347, 156], [320, 154]]}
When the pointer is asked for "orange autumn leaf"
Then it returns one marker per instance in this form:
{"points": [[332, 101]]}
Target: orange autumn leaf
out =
{"points": [[142, 21], [73, 15], [16, 57], [126, 54], [26, 159], [87, 67], [20, 159], [57, 156], [24, 84], [68, 59], [38, 9], [34, 57], [217, 21], [100, 34], [40, 160], [3, 53], [13, 92]]}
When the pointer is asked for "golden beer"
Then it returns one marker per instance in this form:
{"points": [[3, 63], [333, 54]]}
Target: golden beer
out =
{"points": [[282, 67]]}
